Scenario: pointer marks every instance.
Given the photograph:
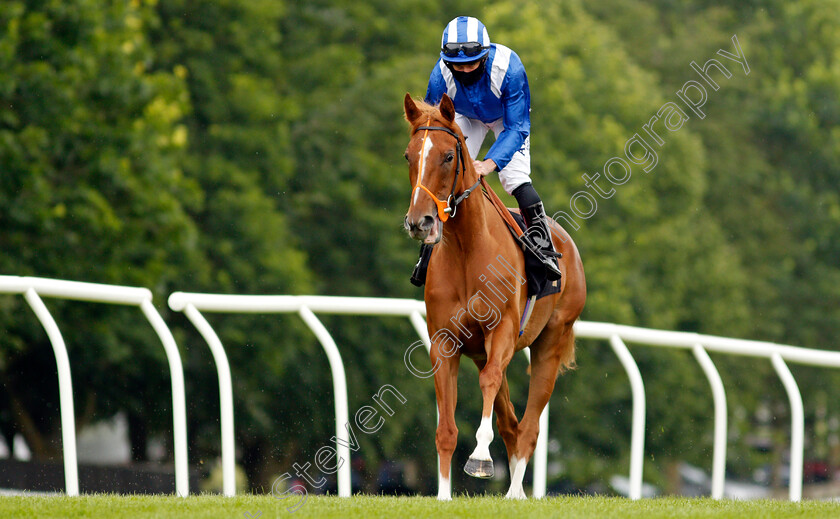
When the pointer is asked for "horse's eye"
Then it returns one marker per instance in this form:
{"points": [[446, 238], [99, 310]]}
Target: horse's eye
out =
{"points": [[448, 157], [405, 155]]}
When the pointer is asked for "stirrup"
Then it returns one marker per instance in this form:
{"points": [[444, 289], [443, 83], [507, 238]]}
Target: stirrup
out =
{"points": [[552, 271], [418, 277], [548, 257]]}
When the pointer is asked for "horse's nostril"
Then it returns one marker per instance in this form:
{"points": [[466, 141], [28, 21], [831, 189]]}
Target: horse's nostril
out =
{"points": [[426, 223]]}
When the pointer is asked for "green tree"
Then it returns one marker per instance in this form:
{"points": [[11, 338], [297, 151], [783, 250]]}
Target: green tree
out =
{"points": [[91, 190], [240, 153]]}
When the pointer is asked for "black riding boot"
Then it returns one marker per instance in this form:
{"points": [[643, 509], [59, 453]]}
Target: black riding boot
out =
{"points": [[418, 277], [538, 233]]}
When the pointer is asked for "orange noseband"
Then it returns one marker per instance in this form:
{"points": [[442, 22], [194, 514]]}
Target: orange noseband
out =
{"points": [[443, 207]]}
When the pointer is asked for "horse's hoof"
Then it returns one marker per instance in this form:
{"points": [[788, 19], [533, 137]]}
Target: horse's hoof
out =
{"points": [[479, 468]]}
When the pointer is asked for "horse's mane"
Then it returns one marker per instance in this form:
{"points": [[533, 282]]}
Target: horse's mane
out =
{"points": [[431, 112]]}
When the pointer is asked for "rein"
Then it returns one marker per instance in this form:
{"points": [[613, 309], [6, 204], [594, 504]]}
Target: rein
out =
{"points": [[502, 210], [446, 208]]}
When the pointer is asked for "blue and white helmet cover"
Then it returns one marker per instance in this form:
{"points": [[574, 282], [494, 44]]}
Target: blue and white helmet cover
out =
{"points": [[465, 29]]}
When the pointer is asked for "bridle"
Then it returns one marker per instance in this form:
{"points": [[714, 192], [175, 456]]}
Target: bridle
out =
{"points": [[446, 208]]}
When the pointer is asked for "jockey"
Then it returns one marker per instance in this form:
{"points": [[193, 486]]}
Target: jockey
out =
{"points": [[488, 85]]}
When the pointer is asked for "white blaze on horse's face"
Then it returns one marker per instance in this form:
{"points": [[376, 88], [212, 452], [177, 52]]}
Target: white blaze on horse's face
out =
{"points": [[424, 161], [423, 220]]}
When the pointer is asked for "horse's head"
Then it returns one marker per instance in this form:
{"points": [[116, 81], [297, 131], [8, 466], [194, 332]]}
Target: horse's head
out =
{"points": [[436, 166]]}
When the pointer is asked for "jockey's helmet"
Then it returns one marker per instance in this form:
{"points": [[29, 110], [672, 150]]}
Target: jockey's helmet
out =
{"points": [[465, 39]]}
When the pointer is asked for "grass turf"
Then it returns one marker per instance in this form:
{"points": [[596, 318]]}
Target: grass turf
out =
{"points": [[104, 506]]}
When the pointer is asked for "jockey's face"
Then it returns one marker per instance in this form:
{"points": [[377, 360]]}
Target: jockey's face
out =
{"points": [[466, 67]]}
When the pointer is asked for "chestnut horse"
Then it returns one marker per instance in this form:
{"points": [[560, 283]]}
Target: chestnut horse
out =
{"points": [[458, 300]]}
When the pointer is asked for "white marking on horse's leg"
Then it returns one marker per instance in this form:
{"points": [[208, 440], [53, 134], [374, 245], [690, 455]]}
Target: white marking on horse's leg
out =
{"points": [[424, 155], [444, 490], [517, 474], [483, 437], [512, 466]]}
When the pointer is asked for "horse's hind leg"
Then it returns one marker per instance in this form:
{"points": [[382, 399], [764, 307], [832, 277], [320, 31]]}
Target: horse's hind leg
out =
{"points": [[480, 464], [551, 349], [506, 421], [446, 393]]}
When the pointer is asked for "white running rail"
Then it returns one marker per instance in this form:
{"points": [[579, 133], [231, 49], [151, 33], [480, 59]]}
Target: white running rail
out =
{"points": [[306, 306], [778, 354], [32, 289], [616, 335]]}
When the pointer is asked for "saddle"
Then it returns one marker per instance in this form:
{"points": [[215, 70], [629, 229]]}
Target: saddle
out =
{"points": [[535, 273]]}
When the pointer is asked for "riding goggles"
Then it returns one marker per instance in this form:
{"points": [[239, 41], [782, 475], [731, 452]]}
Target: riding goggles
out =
{"points": [[469, 49]]}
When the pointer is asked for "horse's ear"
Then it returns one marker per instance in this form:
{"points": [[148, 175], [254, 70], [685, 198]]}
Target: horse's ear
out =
{"points": [[447, 109], [411, 110]]}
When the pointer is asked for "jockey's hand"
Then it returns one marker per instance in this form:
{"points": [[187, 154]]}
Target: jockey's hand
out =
{"points": [[484, 167]]}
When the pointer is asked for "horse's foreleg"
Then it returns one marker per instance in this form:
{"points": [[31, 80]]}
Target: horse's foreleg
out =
{"points": [[547, 353], [499, 351], [446, 394], [506, 420]]}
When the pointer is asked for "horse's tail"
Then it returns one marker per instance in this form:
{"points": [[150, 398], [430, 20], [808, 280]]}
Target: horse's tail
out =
{"points": [[567, 350]]}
